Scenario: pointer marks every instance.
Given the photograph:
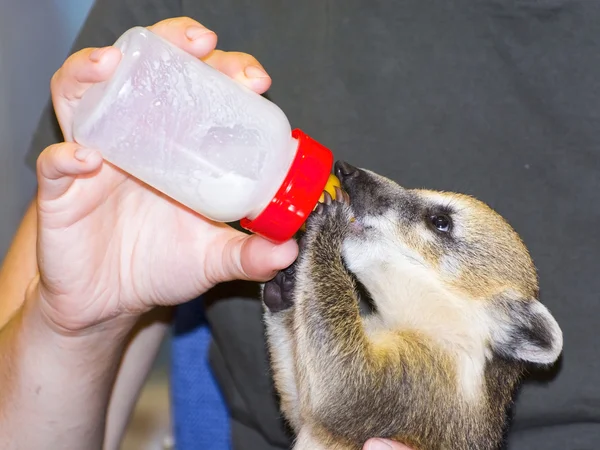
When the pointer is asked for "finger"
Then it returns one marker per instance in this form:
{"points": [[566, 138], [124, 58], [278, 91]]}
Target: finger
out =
{"points": [[242, 67], [199, 41], [60, 164], [79, 72], [82, 69], [249, 257], [187, 34], [384, 444]]}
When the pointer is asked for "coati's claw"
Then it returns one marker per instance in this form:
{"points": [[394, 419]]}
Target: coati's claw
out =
{"points": [[341, 196], [327, 198], [278, 293], [319, 208], [338, 194]]}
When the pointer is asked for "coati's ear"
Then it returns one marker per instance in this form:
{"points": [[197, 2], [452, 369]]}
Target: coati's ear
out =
{"points": [[525, 330]]}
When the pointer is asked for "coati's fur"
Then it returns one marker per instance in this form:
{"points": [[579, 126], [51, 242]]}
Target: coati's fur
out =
{"points": [[456, 320]]}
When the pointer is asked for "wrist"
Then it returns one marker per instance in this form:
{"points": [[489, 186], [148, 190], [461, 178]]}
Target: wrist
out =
{"points": [[36, 317], [59, 324]]}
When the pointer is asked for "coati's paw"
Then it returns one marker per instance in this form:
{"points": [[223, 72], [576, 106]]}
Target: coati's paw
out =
{"points": [[330, 220], [278, 293]]}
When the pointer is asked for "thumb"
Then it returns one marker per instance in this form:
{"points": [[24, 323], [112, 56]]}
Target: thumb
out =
{"points": [[59, 165], [251, 257], [384, 444]]}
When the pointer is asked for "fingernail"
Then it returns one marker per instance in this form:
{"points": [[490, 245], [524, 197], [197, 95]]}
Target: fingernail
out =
{"points": [[81, 154], [283, 255], [97, 54], [255, 72], [196, 32], [380, 444]]}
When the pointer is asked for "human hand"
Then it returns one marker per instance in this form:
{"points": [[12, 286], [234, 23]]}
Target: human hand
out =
{"points": [[110, 246], [384, 444]]}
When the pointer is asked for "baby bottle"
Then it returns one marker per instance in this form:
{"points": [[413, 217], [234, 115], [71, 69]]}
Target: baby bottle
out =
{"points": [[203, 139]]}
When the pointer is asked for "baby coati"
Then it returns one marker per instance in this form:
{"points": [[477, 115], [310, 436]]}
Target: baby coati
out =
{"points": [[455, 320]]}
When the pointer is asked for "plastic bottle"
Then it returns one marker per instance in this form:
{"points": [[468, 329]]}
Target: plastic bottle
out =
{"points": [[203, 139]]}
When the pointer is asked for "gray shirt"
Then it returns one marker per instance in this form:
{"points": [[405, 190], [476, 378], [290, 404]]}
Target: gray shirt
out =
{"points": [[495, 98]]}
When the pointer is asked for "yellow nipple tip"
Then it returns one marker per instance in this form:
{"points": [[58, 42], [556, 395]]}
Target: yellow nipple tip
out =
{"points": [[332, 183]]}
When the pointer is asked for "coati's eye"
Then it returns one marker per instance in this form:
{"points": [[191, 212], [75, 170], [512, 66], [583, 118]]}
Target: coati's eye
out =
{"points": [[441, 222]]}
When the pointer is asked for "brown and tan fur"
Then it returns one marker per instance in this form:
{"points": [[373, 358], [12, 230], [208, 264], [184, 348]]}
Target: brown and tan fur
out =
{"points": [[456, 320]]}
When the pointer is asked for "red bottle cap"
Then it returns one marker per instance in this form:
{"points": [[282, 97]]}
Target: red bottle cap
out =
{"points": [[298, 194]]}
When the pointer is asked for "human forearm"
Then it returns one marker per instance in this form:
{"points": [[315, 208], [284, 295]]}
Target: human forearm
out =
{"points": [[139, 355], [54, 388]]}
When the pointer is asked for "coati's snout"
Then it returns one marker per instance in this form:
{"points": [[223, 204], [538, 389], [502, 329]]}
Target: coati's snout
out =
{"points": [[372, 194]]}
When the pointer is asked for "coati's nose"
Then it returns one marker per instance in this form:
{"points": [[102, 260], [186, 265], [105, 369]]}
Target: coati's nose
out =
{"points": [[343, 170]]}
